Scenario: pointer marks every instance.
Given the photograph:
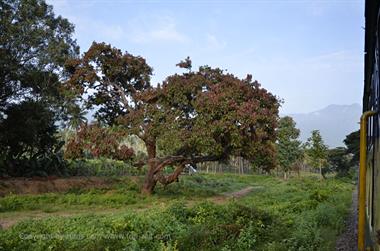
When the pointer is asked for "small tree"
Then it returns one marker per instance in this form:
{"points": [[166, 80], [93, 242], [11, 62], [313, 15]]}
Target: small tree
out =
{"points": [[288, 146], [339, 160], [352, 142], [316, 151], [76, 117]]}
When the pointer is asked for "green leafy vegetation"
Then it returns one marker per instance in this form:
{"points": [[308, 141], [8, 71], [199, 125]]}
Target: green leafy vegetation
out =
{"points": [[289, 148], [298, 214]]}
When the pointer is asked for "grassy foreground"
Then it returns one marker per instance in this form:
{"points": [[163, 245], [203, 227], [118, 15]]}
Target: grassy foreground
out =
{"points": [[299, 214]]}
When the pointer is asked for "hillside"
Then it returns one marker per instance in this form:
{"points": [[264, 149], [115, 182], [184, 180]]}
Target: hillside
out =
{"points": [[334, 122]]}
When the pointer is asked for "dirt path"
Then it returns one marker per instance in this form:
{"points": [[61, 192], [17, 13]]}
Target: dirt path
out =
{"points": [[12, 219], [240, 193], [348, 240], [233, 195]]}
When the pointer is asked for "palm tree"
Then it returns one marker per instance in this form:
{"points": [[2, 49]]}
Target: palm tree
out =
{"points": [[77, 117]]}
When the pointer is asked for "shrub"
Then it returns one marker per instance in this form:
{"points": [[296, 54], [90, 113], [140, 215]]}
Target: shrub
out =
{"points": [[306, 237], [102, 167]]}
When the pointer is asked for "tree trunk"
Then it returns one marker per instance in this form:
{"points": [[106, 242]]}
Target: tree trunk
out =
{"points": [[150, 182], [323, 174], [151, 148], [156, 166], [166, 180]]}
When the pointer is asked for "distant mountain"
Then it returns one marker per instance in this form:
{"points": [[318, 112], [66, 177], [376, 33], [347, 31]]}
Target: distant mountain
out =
{"points": [[334, 122]]}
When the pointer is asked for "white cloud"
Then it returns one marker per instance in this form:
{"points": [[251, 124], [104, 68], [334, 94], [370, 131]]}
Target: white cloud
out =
{"points": [[66, 7], [88, 30], [313, 82], [162, 29], [215, 43], [114, 32], [318, 8], [142, 28], [339, 60]]}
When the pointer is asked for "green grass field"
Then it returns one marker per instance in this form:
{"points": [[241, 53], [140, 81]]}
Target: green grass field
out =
{"points": [[193, 214]]}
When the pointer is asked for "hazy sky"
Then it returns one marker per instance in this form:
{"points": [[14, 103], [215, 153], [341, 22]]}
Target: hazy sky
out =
{"points": [[309, 53]]}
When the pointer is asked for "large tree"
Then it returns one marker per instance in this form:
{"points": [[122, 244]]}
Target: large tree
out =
{"points": [[197, 116], [34, 45], [289, 148], [316, 151]]}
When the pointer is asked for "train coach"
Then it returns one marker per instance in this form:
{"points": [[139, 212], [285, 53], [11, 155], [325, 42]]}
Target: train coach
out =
{"points": [[369, 173]]}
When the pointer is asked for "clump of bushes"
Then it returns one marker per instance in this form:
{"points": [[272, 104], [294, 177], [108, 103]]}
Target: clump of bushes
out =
{"points": [[102, 167]]}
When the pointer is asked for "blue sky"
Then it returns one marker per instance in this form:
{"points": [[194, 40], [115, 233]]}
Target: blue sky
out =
{"points": [[309, 53]]}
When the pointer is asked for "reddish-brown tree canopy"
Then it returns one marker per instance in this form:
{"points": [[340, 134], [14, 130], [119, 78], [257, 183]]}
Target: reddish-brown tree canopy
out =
{"points": [[197, 116], [107, 79], [96, 141]]}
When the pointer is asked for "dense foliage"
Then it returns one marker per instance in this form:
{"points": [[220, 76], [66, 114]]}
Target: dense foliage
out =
{"points": [[95, 141], [28, 135], [352, 142], [345, 160], [30, 130], [34, 45], [339, 161]]}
